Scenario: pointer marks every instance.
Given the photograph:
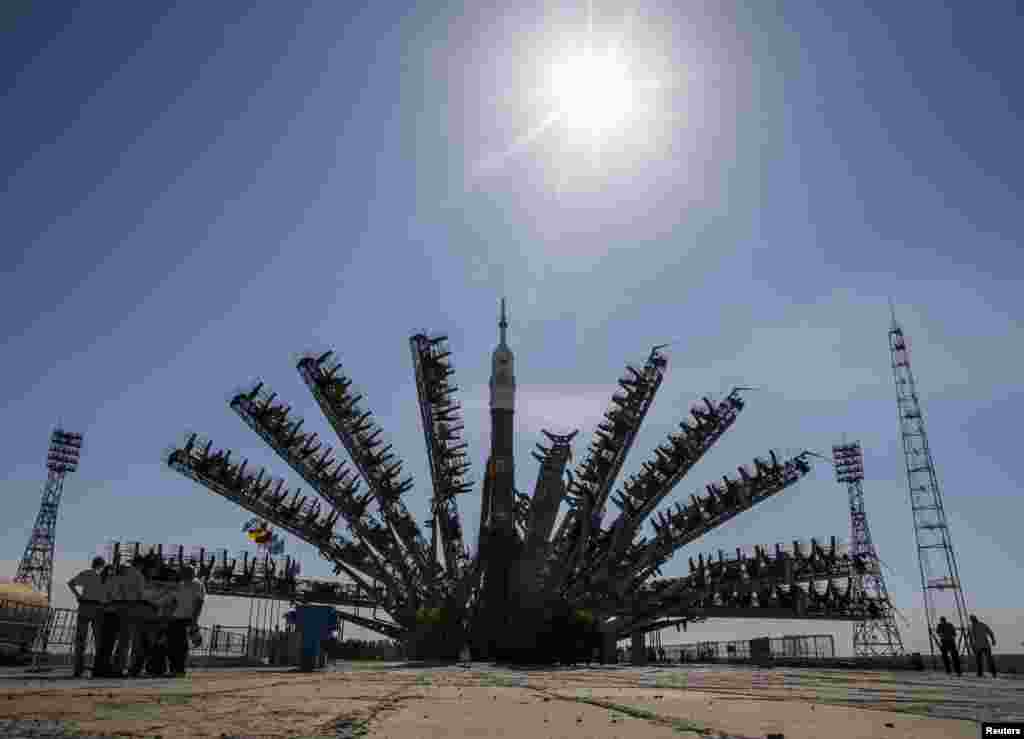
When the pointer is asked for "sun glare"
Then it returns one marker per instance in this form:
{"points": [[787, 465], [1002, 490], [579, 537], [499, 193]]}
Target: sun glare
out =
{"points": [[592, 91]]}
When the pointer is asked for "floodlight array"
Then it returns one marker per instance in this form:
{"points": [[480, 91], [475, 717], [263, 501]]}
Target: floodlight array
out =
{"points": [[848, 460], [64, 452]]}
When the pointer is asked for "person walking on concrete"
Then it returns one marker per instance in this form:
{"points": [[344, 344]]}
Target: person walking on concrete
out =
{"points": [[982, 639], [91, 601], [946, 633], [189, 604]]}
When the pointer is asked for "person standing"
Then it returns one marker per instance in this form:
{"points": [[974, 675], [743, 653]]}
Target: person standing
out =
{"points": [[91, 601], [127, 600], [109, 625], [982, 639], [153, 608], [189, 604], [946, 633]]}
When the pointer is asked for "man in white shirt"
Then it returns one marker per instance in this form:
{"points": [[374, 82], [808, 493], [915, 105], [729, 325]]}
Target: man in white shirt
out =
{"points": [[154, 608], [126, 598], [189, 604], [91, 600]]}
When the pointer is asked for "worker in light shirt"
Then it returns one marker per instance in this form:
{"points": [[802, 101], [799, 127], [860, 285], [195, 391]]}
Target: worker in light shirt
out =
{"points": [[91, 601], [189, 595], [127, 600], [155, 608]]}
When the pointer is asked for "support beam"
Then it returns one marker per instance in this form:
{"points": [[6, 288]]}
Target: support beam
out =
{"points": [[378, 466]]}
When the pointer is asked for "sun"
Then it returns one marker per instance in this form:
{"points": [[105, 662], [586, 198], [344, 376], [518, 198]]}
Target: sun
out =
{"points": [[592, 91], [592, 101]]}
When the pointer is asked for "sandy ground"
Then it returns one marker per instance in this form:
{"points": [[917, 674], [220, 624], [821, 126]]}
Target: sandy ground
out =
{"points": [[357, 700]]}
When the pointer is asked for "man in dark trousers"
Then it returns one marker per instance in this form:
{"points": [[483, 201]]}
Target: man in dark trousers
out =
{"points": [[91, 601], [946, 633], [189, 599], [127, 601], [110, 625], [156, 602], [982, 639]]}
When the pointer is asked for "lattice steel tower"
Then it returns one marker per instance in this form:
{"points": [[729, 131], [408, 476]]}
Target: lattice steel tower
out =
{"points": [[940, 578], [877, 634], [36, 568]]}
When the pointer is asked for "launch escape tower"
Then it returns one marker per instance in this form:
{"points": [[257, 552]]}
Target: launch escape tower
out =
{"points": [[940, 578], [876, 635], [36, 567]]}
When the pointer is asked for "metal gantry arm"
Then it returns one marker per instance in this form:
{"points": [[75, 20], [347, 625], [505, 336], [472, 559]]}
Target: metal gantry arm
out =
{"points": [[441, 417], [376, 463], [800, 562], [832, 600], [324, 473], [812, 581], [589, 487], [550, 488], [376, 625], [672, 462], [249, 576], [722, 503], [543, 508], [272, 501]]}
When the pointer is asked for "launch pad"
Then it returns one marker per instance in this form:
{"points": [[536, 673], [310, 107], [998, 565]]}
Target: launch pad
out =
{"points": [[547, 580]]}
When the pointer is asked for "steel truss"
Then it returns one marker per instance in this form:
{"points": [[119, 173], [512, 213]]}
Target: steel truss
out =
{"points": [[588, 489], [270, 500], [671, 463], [878, 636], [330, 478], [940, 576], [377, 464], [36, 566], [441, 417], [688, 523], [248, 575]]}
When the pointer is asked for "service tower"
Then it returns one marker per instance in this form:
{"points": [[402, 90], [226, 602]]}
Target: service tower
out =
{"points": [[498, 534]]}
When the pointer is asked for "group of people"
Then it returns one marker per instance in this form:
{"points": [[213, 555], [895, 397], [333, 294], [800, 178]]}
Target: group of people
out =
{"points": [[130, 609], [982, 641]]}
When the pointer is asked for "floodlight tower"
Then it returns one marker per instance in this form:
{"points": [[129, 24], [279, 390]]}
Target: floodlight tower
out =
{"points": [[877, 634], [36, 568], [940, 577]]}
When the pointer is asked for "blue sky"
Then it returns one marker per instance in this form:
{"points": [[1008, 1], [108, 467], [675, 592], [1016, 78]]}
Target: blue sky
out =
{"points": [[194, 196]]}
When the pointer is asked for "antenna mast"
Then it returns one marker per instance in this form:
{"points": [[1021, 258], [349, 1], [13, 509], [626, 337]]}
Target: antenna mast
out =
{"points": [[940, 577]]}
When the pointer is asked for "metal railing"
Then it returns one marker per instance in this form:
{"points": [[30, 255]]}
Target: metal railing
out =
{"points": [[815, 646], [46, 633]]}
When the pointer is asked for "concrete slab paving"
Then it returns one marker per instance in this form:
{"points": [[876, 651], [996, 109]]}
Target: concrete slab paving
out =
{"points": [[412, 702]]}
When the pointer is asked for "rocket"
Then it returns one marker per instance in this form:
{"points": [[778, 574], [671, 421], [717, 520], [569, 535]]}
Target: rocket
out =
{"points": [[501, 463], [498, 539]]}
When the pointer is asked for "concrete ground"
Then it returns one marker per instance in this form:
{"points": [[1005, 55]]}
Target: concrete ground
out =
{"points": [[415, 702]]}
